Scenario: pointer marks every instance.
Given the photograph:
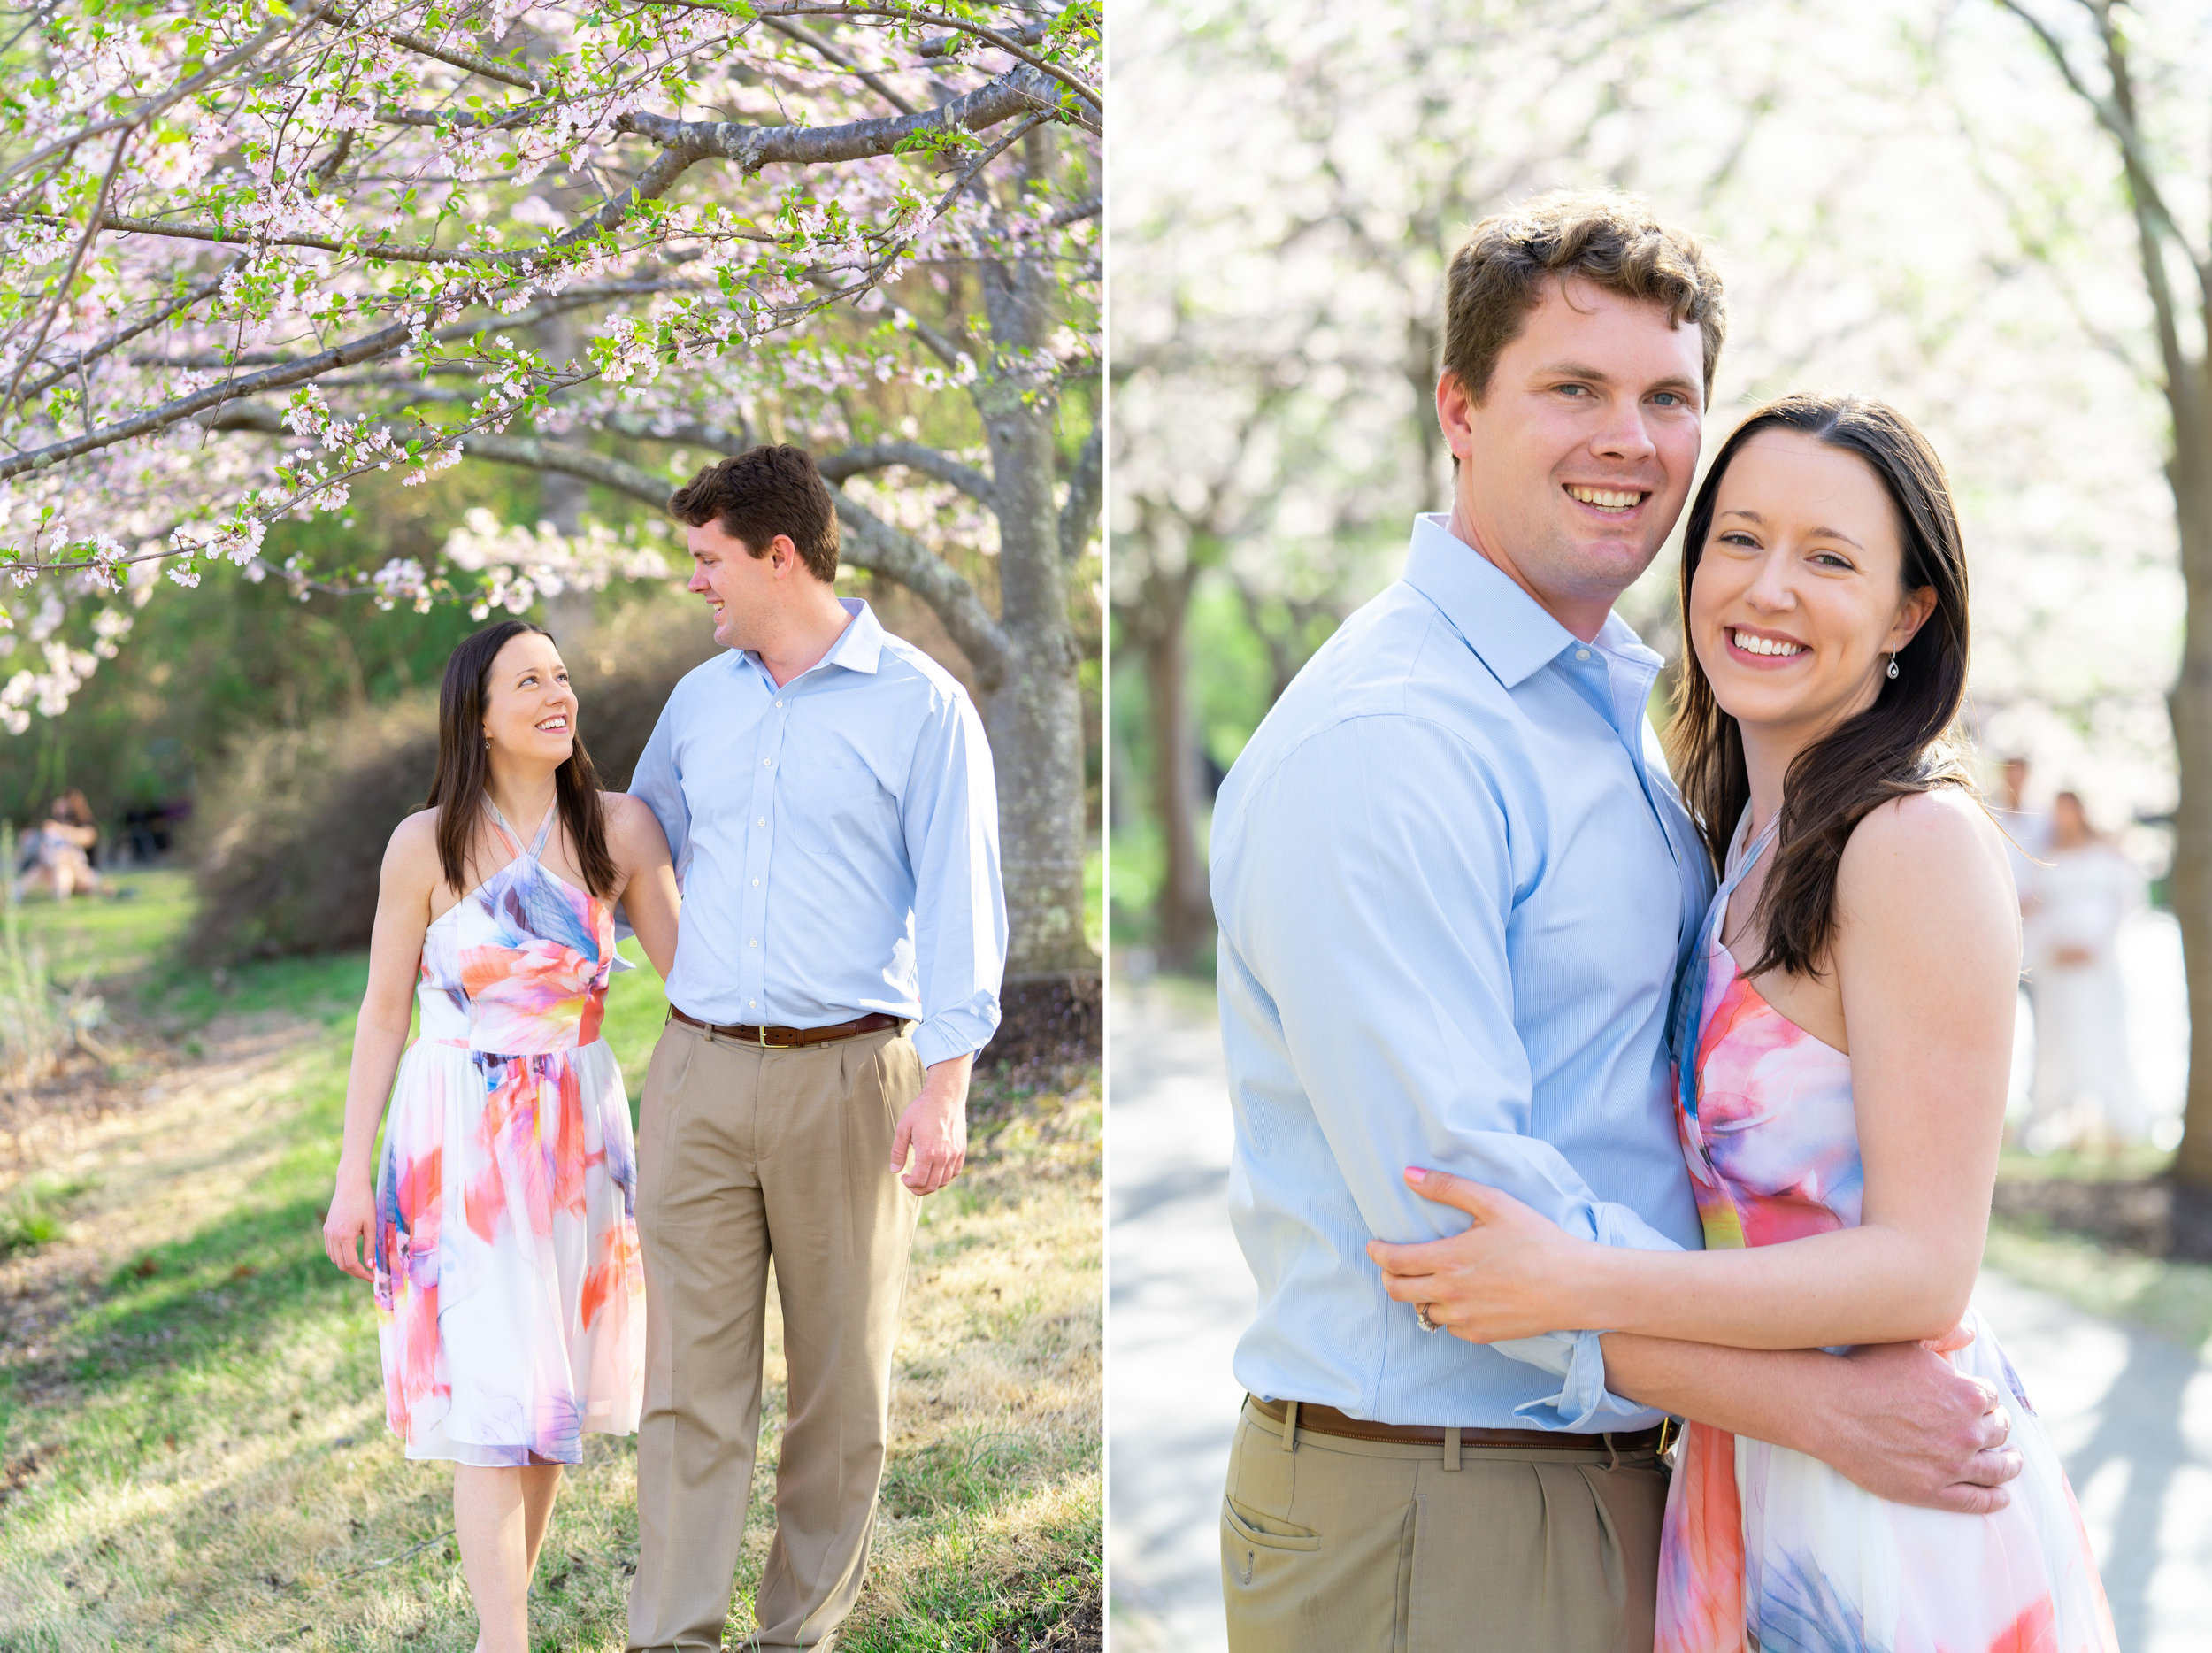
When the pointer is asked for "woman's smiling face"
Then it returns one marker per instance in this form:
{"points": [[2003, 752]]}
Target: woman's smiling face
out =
{"points": [[529, 710], [1798, 600]]}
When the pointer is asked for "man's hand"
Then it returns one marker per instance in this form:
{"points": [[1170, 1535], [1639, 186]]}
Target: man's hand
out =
{"points": [[935, 1124], [1907, 1426]]}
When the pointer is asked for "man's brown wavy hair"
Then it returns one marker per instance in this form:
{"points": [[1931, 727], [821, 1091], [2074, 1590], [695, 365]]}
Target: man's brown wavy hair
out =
{"points": [[1610, 239], [763, 492]]}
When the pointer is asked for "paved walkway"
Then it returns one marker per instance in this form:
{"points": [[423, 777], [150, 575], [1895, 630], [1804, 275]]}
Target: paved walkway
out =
{"points": [[2132, 1412]]}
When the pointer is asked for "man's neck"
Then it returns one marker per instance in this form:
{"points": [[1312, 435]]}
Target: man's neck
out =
{"points": [[808, 636], [1584, 616]]}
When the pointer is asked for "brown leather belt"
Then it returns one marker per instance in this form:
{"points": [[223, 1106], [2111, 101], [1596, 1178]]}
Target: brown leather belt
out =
{"points": [[791, 1038], [1326, 1420]]}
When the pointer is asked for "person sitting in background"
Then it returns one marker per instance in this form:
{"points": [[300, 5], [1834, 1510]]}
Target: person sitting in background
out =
{"points": [[58, 856], [2084, 1091]]}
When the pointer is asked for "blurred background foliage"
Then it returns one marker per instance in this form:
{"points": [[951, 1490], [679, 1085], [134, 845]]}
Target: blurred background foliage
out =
{"points": [[1906, 200]]}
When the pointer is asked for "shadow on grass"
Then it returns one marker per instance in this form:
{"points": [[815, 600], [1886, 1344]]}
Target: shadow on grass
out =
{"points": [[224, 1293]]}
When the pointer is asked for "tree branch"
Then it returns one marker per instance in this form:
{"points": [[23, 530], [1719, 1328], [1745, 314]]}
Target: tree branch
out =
{"points": [[870, 543], [753, 148], [2114, 116], [814, 43], [838, 467], [153, 106], [76, 259], [489, 68], [946, 45], [1086, 492], [366, 347], [190, 296]]}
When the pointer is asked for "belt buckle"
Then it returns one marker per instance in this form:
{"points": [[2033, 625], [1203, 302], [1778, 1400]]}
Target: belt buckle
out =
{"points": [[760, 1032], [1666, 1433]]}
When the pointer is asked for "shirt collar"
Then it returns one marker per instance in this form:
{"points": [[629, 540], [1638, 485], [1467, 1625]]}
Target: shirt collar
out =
{"points": [[1507, 629], [858, 648]]}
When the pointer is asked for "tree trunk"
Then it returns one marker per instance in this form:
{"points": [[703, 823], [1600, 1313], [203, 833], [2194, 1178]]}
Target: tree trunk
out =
{"points": [[1183, 911], [1034, 711], [2189, 706]]}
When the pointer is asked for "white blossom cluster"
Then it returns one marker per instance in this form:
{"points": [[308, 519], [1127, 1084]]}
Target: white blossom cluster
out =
{"points": [[251, 254]]}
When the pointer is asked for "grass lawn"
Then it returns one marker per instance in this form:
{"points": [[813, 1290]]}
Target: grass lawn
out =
{"points": [[2161, 1295], [192, 1446]]}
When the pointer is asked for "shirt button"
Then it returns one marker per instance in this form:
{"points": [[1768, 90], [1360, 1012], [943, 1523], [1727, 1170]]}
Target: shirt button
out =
{"points": [[756, 883], [754, 943], [1582, 654], [780, 703], [752, 1004], [763, 821], [766, 762]]}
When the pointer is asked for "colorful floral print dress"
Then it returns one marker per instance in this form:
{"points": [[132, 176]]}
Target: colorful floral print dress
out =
{"points": [[509, 1293], [1764, 1548]]}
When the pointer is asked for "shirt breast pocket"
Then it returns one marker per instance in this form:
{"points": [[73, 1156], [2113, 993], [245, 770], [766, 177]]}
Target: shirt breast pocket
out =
{"points": [[833, 810]]}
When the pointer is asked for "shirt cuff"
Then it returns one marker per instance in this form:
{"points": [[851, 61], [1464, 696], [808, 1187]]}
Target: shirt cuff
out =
{"points": [[957, 1032], [1578, 1358], [1582, 1403]]}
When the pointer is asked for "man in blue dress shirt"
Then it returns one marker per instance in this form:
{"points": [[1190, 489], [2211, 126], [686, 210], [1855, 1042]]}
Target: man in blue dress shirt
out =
{"points": [[828, 798], [1454, 884]]}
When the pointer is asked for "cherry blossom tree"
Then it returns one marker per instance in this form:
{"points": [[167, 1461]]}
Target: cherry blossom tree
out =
{"points": [[250, 253]]}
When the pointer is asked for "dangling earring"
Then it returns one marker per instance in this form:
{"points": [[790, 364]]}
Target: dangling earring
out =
{"points": [[1893, 672]]}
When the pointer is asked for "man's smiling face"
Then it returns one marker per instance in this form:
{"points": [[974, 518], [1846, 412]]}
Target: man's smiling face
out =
{"points": [[737, 585], [1577, 462]]}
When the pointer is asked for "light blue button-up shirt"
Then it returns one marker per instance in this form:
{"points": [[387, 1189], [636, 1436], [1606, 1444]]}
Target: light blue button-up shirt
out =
{"points": [[1454, 885], [836, 840]]}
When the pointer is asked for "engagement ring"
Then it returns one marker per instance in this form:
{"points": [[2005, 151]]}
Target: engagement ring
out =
{"points": [[1421, 1316]]}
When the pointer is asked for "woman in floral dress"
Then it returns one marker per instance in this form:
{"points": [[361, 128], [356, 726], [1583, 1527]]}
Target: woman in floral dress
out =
{"points": [[500, 1226], [1843, 1031]]}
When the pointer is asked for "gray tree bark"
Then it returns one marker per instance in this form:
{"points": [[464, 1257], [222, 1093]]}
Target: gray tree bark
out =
{"points": [[1034, 708]]}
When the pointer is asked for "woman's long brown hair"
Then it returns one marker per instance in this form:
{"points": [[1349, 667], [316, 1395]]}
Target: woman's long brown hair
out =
{"points": [[457, 791], [1900, 745]]}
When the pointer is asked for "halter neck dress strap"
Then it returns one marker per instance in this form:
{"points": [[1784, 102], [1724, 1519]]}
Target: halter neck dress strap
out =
{"points": [[537, 844], [1687, 1020]]}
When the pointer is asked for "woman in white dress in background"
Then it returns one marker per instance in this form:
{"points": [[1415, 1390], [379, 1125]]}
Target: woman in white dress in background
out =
{"points": [[2084, 1093]]}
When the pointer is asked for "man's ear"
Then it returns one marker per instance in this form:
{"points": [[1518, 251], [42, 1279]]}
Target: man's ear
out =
{"points": [[783, 556], [1453, 407]]}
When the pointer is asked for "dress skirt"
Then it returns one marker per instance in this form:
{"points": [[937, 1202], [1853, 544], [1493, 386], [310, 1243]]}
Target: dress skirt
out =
{"points": [[509, 1290]]}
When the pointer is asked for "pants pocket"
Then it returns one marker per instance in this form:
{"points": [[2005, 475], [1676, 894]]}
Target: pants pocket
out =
{"points": [[1249, 1527]]}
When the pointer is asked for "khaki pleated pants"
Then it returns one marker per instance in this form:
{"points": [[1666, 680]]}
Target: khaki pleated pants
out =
{"points": [[746, 1154], [1330, 1545]]}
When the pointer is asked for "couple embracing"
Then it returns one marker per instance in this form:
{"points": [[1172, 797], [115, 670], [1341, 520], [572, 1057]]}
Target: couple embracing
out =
{"points": [[823, 794], [1574, 1096]]}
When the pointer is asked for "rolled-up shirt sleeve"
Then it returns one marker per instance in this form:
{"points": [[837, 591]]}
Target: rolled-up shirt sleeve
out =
{"points": [[1374, 909], [949, 816], [656, 783]]}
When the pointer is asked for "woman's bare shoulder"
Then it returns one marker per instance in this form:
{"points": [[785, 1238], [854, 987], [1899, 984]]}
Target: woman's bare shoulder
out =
{"points": [[1935, 854], [632, 825], [414, 845]]}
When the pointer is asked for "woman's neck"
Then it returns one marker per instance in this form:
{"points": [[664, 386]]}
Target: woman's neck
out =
{"points": [[1768, 753], [521, 791]]}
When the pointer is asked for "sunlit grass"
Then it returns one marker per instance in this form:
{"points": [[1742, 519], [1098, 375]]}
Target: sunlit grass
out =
{"points": [[197, 1458], [2158, 1294]]}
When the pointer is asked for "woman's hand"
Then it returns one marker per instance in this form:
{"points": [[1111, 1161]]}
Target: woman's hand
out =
{"points": [[1510, 1274], [349, 1230]]}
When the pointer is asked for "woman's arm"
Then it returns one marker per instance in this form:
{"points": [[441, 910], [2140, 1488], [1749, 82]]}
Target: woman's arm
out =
{"points": [[1926, 956], [380, 1033], [648, 887]]}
